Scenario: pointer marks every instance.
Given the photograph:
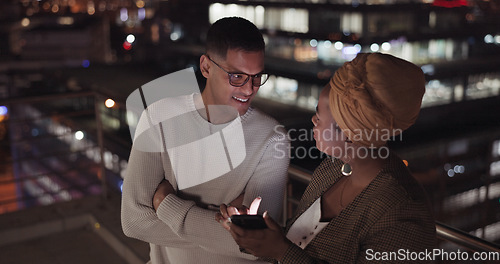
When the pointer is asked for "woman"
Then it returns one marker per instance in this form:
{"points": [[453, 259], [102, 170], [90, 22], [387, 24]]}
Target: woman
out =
{"points": [[362, 204]]}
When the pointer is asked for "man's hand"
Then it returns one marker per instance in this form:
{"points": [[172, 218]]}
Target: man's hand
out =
{"points": [[163, 189]]}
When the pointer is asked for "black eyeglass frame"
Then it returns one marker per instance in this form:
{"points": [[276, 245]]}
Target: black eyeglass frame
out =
{"points": [[248, 76]]}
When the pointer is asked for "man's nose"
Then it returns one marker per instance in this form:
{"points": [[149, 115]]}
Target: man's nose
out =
{"points": [[248, 88]]}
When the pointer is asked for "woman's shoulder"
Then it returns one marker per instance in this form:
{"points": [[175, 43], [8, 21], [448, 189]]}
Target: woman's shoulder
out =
{"points": [[401, 176], [395, 188]]}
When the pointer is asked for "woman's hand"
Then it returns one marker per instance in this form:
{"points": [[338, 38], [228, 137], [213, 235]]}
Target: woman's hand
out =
{"points": [[270, 242], [235, 208]]}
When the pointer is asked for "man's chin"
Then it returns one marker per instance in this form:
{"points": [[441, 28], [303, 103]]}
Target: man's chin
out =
{"points": [[242, 112], [241, 108]]}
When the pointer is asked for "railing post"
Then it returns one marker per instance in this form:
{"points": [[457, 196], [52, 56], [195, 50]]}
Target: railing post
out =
{"points": [[100, 142]]}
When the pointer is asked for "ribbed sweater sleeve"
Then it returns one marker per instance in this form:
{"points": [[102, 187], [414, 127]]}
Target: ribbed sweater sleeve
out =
{"points": [[270, 177], [139, 220], [198, 225]]}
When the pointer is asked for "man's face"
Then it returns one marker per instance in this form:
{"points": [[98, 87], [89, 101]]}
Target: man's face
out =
{"points": [[219, 91]]}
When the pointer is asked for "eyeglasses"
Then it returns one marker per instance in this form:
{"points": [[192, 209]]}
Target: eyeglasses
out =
{"points": [[240, 79]]}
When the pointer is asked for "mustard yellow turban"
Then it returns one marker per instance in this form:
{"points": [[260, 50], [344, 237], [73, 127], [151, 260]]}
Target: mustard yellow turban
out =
{"points": [[375, 97]]}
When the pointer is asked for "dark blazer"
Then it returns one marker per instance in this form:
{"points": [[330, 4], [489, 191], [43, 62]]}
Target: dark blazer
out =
{"points": [[389, 219]]}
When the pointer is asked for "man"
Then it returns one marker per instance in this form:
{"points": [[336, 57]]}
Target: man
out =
{"points": [[181, 226]]}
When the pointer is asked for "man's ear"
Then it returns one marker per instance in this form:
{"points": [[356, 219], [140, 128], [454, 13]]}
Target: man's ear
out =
{"points": [[204, 65]]}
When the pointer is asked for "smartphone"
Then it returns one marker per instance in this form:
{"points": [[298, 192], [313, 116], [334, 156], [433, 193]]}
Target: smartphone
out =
{"points": [[249, 221]]}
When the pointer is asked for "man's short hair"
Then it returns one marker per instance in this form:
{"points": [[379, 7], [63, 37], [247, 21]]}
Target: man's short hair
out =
{"points": [[233, 33]]}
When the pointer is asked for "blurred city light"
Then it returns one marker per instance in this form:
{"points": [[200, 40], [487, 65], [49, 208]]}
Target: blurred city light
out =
{"points": [[141, 13], [130, 38], [126, 45], [85, 63], [428, 69], [123, 14], [65, 21], [488, 39], [339, 45], [174, 36], [79, 135], [386, 46], [350, 50], [140, 4], [3, 110], [495, 168], [327, 44], [459, 169], [109, 103], [90, 8], [496, 148], [313, 43], [25, 22], [374, 47], [55, 8]]}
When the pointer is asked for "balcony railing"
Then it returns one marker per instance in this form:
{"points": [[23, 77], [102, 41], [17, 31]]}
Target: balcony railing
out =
{"points": [[443, 231]]}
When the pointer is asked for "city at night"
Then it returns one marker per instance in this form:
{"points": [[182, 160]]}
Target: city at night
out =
{"points": [[85, 85]]}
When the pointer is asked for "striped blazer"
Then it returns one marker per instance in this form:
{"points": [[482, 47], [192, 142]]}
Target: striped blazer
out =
{"points": [[389, 220]]}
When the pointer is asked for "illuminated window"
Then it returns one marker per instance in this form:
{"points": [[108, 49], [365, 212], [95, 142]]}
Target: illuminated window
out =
{"points": [[438, 92], [285, 19], [352, 23], [495, 168], [279, 89], [483, 85], [496, 148]]}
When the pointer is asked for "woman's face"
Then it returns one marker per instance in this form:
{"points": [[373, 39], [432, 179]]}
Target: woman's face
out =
{"points": [[329, 137]]}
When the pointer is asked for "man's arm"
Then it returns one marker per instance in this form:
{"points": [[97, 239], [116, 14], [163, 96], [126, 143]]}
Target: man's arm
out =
{"points": [[139, 220], [198, 225], [270, 178]]}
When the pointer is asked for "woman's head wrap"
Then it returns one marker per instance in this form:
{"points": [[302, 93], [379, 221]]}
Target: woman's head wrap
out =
{"points": [[375, 97]]}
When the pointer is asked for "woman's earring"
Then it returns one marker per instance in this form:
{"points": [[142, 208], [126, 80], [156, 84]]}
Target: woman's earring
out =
{"points": [[346, 169]]}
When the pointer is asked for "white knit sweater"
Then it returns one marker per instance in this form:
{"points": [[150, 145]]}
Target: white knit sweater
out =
{"points": [[183, 230]]}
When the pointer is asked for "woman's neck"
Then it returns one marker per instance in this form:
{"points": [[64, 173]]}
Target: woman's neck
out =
{"points": [[365, 169]]}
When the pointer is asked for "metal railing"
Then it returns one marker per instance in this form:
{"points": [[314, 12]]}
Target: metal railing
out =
{"points": [[464, 239], [443, 231]]}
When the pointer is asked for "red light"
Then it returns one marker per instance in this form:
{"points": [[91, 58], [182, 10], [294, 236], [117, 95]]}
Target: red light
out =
{"points": [[127, 45], [450, 3]]}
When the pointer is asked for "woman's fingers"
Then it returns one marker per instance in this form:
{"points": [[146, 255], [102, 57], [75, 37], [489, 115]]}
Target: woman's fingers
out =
{"points": [[223, 211], [231, 210], [271, 224], [254, 207]]}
